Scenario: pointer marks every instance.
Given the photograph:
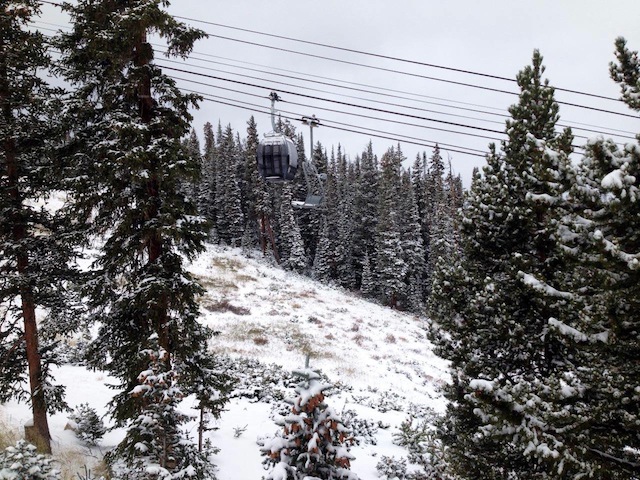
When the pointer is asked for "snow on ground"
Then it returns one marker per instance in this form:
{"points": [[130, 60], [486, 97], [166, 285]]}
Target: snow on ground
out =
{"points": [[380, 359]]}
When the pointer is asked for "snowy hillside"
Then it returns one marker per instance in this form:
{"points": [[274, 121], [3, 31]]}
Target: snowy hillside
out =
{"points": [[379, 360]]}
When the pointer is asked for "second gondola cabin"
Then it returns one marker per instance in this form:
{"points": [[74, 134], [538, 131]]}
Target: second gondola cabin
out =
{"points": [[277, 158]]}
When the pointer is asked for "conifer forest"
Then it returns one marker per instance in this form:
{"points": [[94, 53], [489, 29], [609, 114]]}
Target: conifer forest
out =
{"points": [[524, 284]]}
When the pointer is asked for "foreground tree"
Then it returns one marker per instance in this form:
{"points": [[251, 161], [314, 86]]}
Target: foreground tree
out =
{"points": [[33, 252], [493, 310], [127, 120], [601, 238], [314, 441]]}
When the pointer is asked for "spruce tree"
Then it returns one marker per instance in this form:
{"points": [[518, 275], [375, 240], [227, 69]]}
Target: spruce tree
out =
{"points": [[390, 266], [34, 247], [127, 120], [492, 309], [314, 442], [600, 238], [207, 185], [292, 251], [365, 215]]}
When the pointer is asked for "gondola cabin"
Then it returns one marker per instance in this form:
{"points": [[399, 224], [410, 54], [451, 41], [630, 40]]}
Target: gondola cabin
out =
{"points": [[277, 158]]}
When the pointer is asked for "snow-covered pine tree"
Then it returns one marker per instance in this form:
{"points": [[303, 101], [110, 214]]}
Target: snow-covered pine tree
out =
{"points": [[34, 248], [365, 214], [314, 442], [493, 320], [390, 267], [22, 462], [344, 222], [206, 186], [325, 261], [601, 237], [154, 447], [292, 248], [192, 146], [435, 203], [310, 220], [230, 220], [412, 247], [254, 187], [127, 120]]}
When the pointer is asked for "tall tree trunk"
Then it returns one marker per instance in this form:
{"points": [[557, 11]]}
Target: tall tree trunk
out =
{"points": [[38, 402], [154, 245]]}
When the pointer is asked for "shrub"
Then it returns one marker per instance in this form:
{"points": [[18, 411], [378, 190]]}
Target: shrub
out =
{"points": [[88, 426], [22, 462]]}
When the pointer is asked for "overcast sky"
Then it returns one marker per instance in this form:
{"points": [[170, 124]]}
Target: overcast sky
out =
{"points": [[495, 37]]}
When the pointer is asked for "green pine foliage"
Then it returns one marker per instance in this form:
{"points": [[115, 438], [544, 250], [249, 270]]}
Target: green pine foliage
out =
{"points": [[36, 244], [22, 462], [154, 446], [314, 442], [89, 427], [492, 306], [128, 120]]}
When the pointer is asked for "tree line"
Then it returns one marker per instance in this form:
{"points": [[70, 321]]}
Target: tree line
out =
{"points": [[378, 229]]}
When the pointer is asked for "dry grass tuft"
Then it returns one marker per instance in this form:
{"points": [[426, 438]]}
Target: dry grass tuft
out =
{"points": [[9, 434], [260, 340], [225, 306]]}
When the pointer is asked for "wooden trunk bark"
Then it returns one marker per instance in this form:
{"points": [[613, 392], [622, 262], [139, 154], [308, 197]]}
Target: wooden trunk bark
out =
{"points": [[42, 437]]}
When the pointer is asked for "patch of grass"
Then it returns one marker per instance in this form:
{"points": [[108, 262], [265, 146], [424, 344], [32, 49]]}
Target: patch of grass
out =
{"points": [[225, 305], [243, 278], [359, 339], [211, 283], [9, 435], [260, 340], [70, 462], [307, 294], [224, 263]]}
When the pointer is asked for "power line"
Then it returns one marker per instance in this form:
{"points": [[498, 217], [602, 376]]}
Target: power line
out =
{"points": [[343, 112], [332, 93], [388, 57], [400, 72], [387, 135], [410, 107], [375, 93]]}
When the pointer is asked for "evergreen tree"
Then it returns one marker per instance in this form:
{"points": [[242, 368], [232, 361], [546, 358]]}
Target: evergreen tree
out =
{"points": [[390, 266], [207, 185], [154, 447], [365, 211], [254, 187], [600, 237], [230, 220], [192, 146], [128, 119], [491, 309], [292, 251], [314, 442], [35, 249], [412, 247]]}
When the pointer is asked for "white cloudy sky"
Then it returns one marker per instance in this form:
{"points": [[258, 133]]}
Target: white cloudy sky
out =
{"points": [[495, 37]]}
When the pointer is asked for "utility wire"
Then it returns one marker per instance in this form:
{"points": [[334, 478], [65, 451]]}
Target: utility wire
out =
{"points": [[621, 134], [376, 135], [332, 93], [398, 122], [390, 70], [388, 57], [377, 101]]}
